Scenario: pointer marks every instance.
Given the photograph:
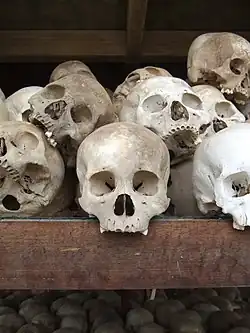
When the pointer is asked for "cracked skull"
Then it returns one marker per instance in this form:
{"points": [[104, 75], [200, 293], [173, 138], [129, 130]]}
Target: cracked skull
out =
{"points": [[170, 108], [69, 109], [31, 171], [224, 112], [222, 60], [18, 105], [132, 80], [123, 170], [221, 174]]}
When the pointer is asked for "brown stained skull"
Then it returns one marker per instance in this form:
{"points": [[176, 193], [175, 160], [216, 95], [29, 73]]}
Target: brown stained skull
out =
{"points": [[31, 171], [223, 61], [132, 80], [70, 67], [69, 109]]}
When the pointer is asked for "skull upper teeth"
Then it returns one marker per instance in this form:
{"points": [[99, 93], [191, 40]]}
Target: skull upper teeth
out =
{"points": [[145, 232], [102, 230]]}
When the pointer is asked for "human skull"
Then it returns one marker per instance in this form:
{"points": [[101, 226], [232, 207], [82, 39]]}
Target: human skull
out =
{"points": [[169, 107], [2, 96], [70, 67], [224, 112], [132, 80], [69, 109], [123, 171], [222, 60], [18, 105], [31, 171], [221, 174]]}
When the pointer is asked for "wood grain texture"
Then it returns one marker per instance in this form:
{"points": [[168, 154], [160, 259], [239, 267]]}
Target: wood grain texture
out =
{"points": [[63, 14], [72, 254], [94, 45], [136, 17], [60, 44]]}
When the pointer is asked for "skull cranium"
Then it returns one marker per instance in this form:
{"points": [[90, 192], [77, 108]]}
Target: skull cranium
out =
{"points": [[123, 171], [31, 171], [170, 108], [222, 60]]}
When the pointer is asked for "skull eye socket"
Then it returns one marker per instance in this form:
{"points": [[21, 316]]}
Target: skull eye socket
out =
{"points": [[237, 184], [25, 141], [192, 101], [11, 203], [237, 66], [101, 183], [80, 114], [133, 78], [154, 103], [53, 91], [145, 182], [224, 109]]}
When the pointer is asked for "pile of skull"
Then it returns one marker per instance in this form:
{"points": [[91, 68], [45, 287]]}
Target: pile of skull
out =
{"points": [[124, 145]]}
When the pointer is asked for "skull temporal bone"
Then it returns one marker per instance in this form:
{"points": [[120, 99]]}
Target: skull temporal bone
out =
{"points": [[224, 112], [31, 172], [222, 60], [221, 177], [170, 108], [123, 170]]}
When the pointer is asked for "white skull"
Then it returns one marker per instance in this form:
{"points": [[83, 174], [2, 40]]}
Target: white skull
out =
{"points": [[222, 60], [224, 112], [221, 174], [18, 105], [123, 170], [70, 67], [31, 171], [69, 109], [132, 80], [180, 188], [170, 108]]}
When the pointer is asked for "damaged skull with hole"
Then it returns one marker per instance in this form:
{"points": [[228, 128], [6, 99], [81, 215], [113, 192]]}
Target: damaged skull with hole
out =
{"points": [[221, 174], [68, 110], [31, 171], [221, 60], [132, 80], [123, 170], [18, 105], [224, 112], [170, 108]]}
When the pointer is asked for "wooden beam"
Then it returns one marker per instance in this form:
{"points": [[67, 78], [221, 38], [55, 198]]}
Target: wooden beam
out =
{"points": [[47, 45], [94, 45], [72, 254], [136, 17]]}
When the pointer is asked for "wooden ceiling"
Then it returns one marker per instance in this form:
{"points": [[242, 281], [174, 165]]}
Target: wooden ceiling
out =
{"points": [[112, 30]]}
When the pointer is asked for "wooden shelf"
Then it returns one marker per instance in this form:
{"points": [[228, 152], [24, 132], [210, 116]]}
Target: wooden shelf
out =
{"points": [[72, 254]]}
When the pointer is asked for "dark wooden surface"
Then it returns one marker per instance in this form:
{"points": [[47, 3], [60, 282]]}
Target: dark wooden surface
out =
{"points": [[74, 255], [136, 17]]}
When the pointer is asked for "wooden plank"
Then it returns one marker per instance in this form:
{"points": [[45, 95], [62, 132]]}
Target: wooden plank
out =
{"points": [[72, 254], [42, 45], [172, 44], [136, 17], [212, 15], [108, 45], [63, 14]]}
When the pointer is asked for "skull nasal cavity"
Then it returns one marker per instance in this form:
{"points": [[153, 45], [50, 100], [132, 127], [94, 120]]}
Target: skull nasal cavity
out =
{"points": [[56, 109], [178, 111], [218, 125], [124, 205]]}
